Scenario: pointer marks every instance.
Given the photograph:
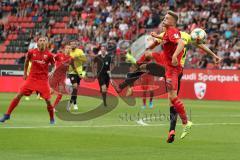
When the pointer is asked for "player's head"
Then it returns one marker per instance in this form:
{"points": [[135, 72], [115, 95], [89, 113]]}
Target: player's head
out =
{"points": [[73, 44], [67, 49], [42, 43], [103, 50], [170, 19]]}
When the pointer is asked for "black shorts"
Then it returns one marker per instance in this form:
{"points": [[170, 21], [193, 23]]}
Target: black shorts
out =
{"points": [[74, 78], [103, 79]]}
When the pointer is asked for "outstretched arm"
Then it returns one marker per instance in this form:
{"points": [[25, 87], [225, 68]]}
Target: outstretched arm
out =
{"points": [[216, 58], [26, 64]]}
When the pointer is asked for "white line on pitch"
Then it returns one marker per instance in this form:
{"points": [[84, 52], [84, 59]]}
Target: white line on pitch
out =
{"points": [[109, 126]]}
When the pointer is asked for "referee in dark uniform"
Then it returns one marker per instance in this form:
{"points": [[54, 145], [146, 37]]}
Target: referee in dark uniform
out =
{"points": [[102, 65]]}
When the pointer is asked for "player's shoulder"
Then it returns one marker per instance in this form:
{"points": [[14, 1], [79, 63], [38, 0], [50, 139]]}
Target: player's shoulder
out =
{"points": [[49, 53], [186, 37], [78, 50], [185, 34], [33, 50]]}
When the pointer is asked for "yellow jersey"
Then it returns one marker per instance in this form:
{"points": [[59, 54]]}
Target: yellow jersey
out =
{"points": [[79, 58], [187, 41]]}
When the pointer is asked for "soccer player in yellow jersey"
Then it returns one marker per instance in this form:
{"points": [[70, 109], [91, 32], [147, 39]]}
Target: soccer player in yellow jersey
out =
{"points": [[75, 74]]}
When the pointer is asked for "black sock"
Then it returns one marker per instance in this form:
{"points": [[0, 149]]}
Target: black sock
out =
{"points": [[173, 118], [74, 96], [104, 96]]}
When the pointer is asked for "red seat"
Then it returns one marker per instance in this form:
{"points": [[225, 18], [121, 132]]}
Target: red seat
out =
{"points": [[39, 19], [66, 19], [6, 42], [2, 48], [29, 19]]}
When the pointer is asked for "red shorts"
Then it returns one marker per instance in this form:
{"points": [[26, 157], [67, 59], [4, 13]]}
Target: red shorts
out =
{"points": [[172, 74], [147, 81], [41, 86]]}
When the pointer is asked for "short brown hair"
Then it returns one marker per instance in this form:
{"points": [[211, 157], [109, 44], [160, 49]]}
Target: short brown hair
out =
{"points": [[173, 14]]}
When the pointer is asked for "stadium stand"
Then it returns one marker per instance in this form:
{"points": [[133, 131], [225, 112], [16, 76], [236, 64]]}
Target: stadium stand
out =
{"points": [[99, 21]]}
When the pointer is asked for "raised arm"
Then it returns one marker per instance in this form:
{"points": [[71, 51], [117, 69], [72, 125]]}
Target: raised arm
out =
{"points": [[216, 58]]}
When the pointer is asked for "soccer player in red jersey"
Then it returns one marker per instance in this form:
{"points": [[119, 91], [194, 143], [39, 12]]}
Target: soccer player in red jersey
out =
{"points": [[62, 61], [37, 80], [173, 50]]}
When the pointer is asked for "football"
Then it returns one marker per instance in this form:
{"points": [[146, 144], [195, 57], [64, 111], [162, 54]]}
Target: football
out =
{"points": [[198, 35]]}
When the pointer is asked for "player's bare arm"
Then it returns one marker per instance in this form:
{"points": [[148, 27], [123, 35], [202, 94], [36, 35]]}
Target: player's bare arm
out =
{"points": [[26, 64], [180, 47], [216, 58]]}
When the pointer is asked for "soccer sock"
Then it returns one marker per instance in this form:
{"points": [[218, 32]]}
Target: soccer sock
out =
{"points": [[104, 96], [74, 96], [51, 112], [59, 97], [144, 98], [12, 105], [151, 96], [180, 109], [131, 78], [173, 118]]}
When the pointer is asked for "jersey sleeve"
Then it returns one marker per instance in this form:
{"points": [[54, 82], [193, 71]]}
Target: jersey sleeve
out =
{"points": [[173, 35]]}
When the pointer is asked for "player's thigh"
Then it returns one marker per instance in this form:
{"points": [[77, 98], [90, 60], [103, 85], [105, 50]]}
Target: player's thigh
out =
{"points": [[75, 79], [155, 69], [172, 79], [44, 90], [27, 88]]}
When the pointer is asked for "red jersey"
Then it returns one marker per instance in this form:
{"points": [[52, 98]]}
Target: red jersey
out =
{"points": [[40, 62], [170, 38], [61, 58]]}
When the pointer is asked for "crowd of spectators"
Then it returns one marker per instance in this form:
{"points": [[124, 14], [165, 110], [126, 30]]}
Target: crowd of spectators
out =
{"points": [[111, 21]]}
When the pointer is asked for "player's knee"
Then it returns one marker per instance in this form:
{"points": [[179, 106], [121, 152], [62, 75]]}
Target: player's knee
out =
{"points": [[104, 88], [48, 102], [19, 96], [75, 85], [143, 67], [172, 94]]}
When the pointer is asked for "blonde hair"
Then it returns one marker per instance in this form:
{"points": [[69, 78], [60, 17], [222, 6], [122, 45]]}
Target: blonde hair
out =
{"points": [[173, 14]]}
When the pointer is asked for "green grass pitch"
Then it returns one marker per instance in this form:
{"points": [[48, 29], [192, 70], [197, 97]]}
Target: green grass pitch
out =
{"points": [[28, 135]]}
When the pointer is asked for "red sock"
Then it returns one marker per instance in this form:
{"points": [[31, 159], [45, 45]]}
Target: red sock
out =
{"points": [[59, 97], [51, 112], [151, 96], [13, 105], [180, 109], [144, 101]]}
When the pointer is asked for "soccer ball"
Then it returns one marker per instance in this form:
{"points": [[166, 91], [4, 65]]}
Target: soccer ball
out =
{"points": [[198, 35]]}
